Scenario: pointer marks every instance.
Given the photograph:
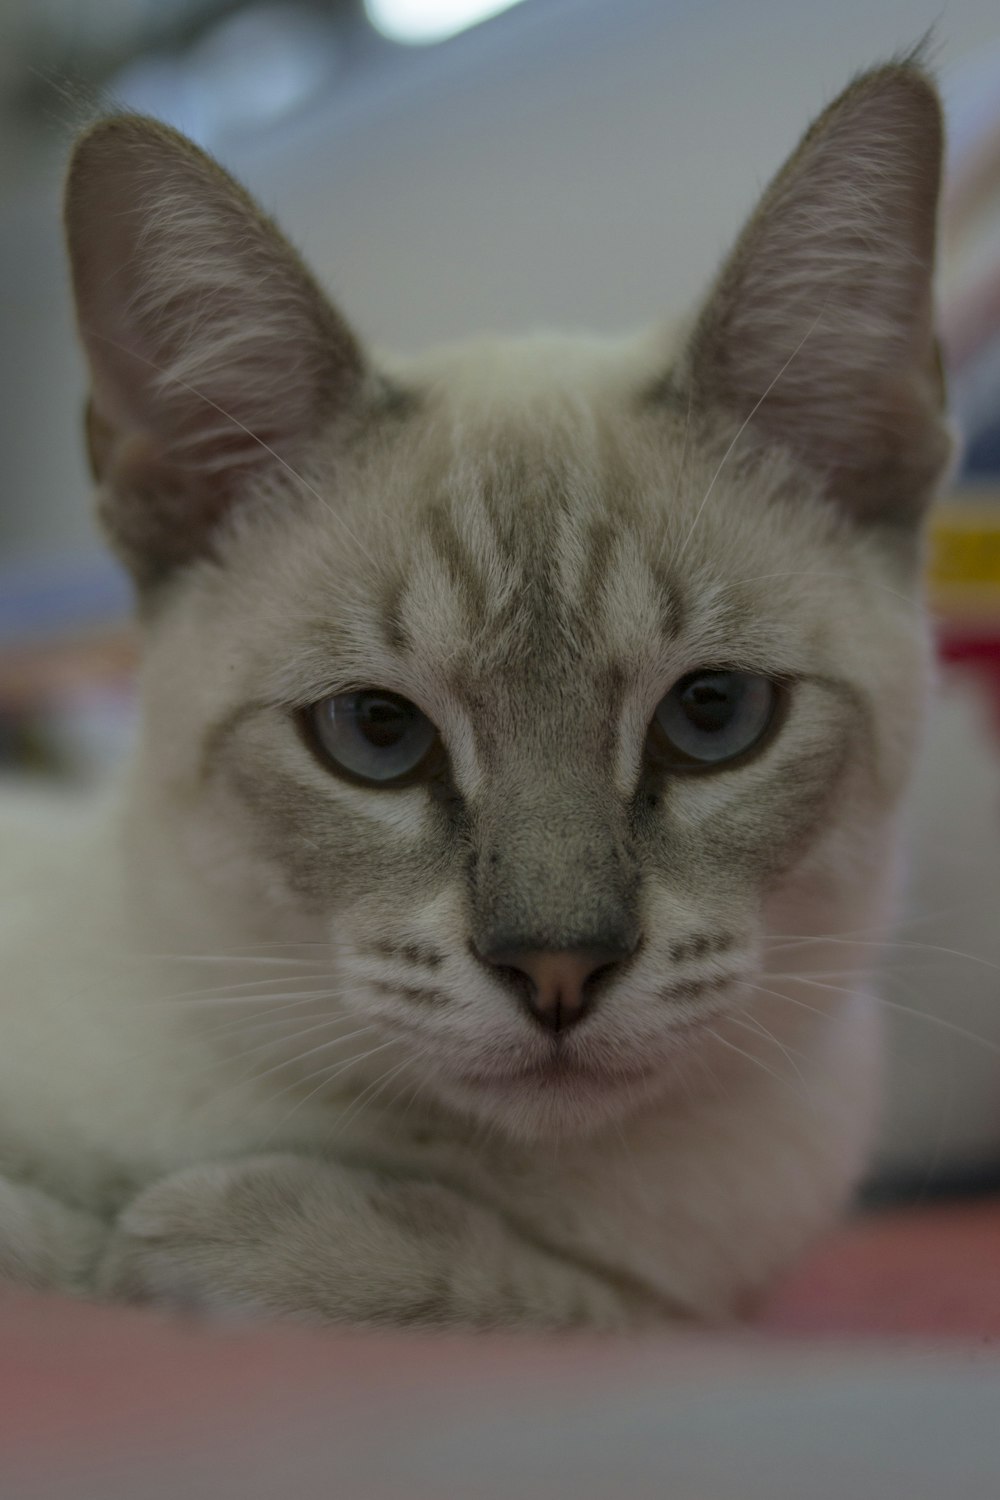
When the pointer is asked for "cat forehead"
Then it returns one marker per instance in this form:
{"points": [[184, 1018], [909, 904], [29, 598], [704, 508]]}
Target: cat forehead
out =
{"points": [[580, 513], [518, 514], [508, 573], [534, 517]]}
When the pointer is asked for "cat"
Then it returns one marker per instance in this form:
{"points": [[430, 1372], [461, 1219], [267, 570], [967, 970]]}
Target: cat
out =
{"points": [[523, 735]]}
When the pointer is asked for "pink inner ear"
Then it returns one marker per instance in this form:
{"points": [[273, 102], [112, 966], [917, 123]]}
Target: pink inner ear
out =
{"points": [[211, 349], [821, 322], [201, 323]]}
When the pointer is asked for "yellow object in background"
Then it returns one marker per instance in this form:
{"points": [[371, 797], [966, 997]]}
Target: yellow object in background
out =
{"points": [[963, 566]]}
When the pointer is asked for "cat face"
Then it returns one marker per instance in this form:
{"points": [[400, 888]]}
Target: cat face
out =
{"points": [[547, 822], [550, 684]]}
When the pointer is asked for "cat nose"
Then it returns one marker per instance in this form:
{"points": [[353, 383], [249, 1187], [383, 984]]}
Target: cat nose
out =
{"points": [[559, 991]]}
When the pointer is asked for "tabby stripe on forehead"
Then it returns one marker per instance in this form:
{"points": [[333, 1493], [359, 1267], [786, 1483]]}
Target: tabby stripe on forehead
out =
{"points": [[462, 568], [600, 549], [674, 612], [394, 631]]}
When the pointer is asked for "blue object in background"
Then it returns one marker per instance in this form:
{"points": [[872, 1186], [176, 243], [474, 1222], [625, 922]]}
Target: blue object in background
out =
{"points": [[42, 597]]}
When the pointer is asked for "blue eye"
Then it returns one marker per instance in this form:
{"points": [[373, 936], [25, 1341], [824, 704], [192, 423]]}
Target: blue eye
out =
{"points": [[373, 735], [709, 718]]}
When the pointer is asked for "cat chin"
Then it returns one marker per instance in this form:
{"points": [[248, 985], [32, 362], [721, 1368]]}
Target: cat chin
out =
{"points": [[560, 1103]]}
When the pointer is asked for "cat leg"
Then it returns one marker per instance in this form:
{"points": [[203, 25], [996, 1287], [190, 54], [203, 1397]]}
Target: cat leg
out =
{"points": [[317, 1241], [44, 1244]]}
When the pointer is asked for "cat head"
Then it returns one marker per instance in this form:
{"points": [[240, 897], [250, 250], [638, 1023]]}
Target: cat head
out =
{"points": [[550, 683]]}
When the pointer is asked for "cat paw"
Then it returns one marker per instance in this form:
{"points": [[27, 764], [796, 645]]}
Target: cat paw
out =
{"points": [[213, 1238], [300, 1238]]}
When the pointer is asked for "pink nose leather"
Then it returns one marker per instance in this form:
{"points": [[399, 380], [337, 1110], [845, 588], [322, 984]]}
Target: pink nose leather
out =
{"points": [[557, 997]]}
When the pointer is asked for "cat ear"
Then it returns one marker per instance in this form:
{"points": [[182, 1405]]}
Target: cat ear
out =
{"points": [[819, 332], [213, 354]]}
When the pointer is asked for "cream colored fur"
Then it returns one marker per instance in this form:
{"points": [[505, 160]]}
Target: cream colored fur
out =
{"points": [[515, 536]]}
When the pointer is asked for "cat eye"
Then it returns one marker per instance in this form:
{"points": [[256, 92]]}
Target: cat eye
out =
{"points": [[710, 718], [372, 735]]}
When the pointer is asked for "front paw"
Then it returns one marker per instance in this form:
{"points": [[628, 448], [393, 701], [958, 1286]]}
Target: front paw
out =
{"points": [[214, 1238], [319, 1241]]}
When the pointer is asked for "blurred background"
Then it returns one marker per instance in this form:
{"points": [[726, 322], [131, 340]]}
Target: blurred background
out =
{"points": [[454, 166]]}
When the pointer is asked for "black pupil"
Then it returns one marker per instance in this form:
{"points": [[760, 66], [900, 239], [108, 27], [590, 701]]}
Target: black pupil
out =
{"points": [[710, 701], [382, 721]]}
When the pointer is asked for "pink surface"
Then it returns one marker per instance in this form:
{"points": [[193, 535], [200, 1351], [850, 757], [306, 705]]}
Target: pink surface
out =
{"points": [[892, 1325], [929, 1273], [933, 1271]]}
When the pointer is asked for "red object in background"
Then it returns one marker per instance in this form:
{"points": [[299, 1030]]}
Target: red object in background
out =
{"points": [[978, 653]]}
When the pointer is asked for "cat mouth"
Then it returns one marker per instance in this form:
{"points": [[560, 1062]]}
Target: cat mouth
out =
{"points": [[561, 1070], [558, 1071]]}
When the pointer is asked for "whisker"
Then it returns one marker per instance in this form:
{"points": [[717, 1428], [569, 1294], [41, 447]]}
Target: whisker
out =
{"points": [[864, 975], [890, 944], [293, 1062], [206, 998], [742, 428], [248, 956], [232, 1062], [366, 1097], [877, 932], [814, 1010], [907, 1010], [411, 1089], [755, 1024], [749, 1057], [327, 1078], [325, 1073], [279, 1016], [238, 994]]}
